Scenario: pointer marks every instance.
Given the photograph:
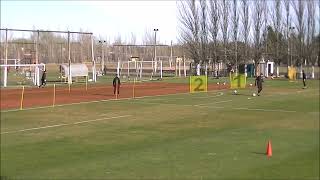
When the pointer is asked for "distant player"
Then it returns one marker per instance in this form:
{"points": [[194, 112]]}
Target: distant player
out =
{"points": [[116, 84], [258, 83], [304, 78], [43, 79]]}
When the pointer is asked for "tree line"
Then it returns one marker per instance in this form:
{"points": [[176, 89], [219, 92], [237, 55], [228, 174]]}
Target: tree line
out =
{"points": [[243, 31]]}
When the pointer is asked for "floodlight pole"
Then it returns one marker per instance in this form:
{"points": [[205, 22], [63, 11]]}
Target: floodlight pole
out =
{"points": [[290, 29], [69, 60], [102, 52], [94, 74], [6, 62], [155, 49]]}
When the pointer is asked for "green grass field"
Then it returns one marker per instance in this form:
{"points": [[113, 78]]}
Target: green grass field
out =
{"points": [[214, 135]]}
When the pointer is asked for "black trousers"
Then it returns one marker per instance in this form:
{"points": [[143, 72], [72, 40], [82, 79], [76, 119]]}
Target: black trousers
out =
{"points": [[259, 89], [116, 88], [304, 82]]}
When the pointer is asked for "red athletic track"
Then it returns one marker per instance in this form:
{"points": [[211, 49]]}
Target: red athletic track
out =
{"points": [[35, 97]]}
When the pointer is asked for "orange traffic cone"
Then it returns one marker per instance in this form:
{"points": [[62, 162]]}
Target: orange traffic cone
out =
{"points": [[269, 149]]}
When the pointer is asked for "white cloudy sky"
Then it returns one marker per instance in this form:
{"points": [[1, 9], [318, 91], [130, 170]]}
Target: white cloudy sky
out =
{"points": [[107, 19]]}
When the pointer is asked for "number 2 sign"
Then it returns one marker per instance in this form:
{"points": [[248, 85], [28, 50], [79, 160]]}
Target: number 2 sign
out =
{"points": [[198, 84]]}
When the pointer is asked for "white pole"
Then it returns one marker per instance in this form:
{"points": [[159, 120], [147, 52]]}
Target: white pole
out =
{"points": [[312, 74], [37, 74], [179, 62], [94, 74], [161, 69], [128, 69], [118, 68], [176, 68], [206, 71], [301, 71], [141, 70], [277, 71], [184, 68], [69, 61], [170, 61]]}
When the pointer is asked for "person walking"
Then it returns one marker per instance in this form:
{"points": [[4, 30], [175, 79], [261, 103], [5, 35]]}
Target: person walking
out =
{"points": [[258, 83]]}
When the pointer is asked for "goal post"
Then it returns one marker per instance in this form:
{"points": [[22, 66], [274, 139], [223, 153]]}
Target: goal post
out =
{"points": [[21, 74], [141, 70]]}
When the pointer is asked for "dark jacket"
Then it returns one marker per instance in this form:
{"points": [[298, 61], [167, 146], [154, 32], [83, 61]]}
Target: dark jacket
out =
{"points": [[44, 76], [116, 80]]}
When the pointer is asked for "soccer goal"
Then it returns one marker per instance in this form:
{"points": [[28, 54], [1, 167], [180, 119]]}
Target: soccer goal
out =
{"points": [[21, 74], [141, 70]]}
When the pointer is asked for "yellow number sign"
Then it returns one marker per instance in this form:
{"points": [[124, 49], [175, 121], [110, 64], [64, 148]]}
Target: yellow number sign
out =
{"points": [[198, 84]]}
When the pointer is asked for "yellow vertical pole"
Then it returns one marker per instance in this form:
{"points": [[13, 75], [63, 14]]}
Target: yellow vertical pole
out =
{"points": [[54, 95], [22, 97]]}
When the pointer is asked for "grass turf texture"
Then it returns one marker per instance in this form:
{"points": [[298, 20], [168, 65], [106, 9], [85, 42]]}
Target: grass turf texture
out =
{"points": [[186, 136]]}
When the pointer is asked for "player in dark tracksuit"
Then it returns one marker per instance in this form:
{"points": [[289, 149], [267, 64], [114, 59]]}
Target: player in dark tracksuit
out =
{"points": [[304, 78], [43, 79], [258, 83], [116, 84]]}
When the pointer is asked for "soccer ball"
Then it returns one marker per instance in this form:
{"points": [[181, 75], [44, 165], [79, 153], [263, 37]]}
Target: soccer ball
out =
{"points": [[218, 83], [250, 84], [224, 83], [235, 92], [254, 94]]}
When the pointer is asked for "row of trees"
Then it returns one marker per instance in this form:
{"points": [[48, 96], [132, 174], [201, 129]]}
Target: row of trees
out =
{"points": [[236, 32]]}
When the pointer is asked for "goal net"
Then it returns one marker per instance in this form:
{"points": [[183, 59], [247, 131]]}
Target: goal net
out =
{"points": [[21, 74], [140, 70]]}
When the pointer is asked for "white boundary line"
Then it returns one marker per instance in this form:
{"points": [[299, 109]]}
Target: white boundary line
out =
{"points": [[219, 94], [220, 107], [58, 125], [213, 102], [104, 100]]}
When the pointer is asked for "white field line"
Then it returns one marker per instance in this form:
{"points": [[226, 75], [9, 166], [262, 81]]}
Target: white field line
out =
{"points": [[220, 107], [187, 105], [219, 94], [213, 102], [58, 125], [104, 100]]}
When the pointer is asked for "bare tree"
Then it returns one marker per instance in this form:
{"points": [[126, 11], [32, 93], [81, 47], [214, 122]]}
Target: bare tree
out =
{"points": [[257, 22], [235, 31], [189, 28], [224, 25], [203, 31], [288, 23], [214, 27], [298, 7], [246, 26], [276, 19], [310, 30], [265, 10]]}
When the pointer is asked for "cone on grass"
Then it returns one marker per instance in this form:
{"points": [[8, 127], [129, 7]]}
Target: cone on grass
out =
{"points": [[269, 149]]}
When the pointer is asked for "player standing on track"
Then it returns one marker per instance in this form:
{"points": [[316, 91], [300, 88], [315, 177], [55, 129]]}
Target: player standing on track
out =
{"points": [[304, 78], [116, 84], [43, 79], [258, 83]]}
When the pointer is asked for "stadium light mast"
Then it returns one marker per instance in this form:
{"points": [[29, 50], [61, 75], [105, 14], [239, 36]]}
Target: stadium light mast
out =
{"points": [[102, 42], [291, 28], [155, 49]]}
